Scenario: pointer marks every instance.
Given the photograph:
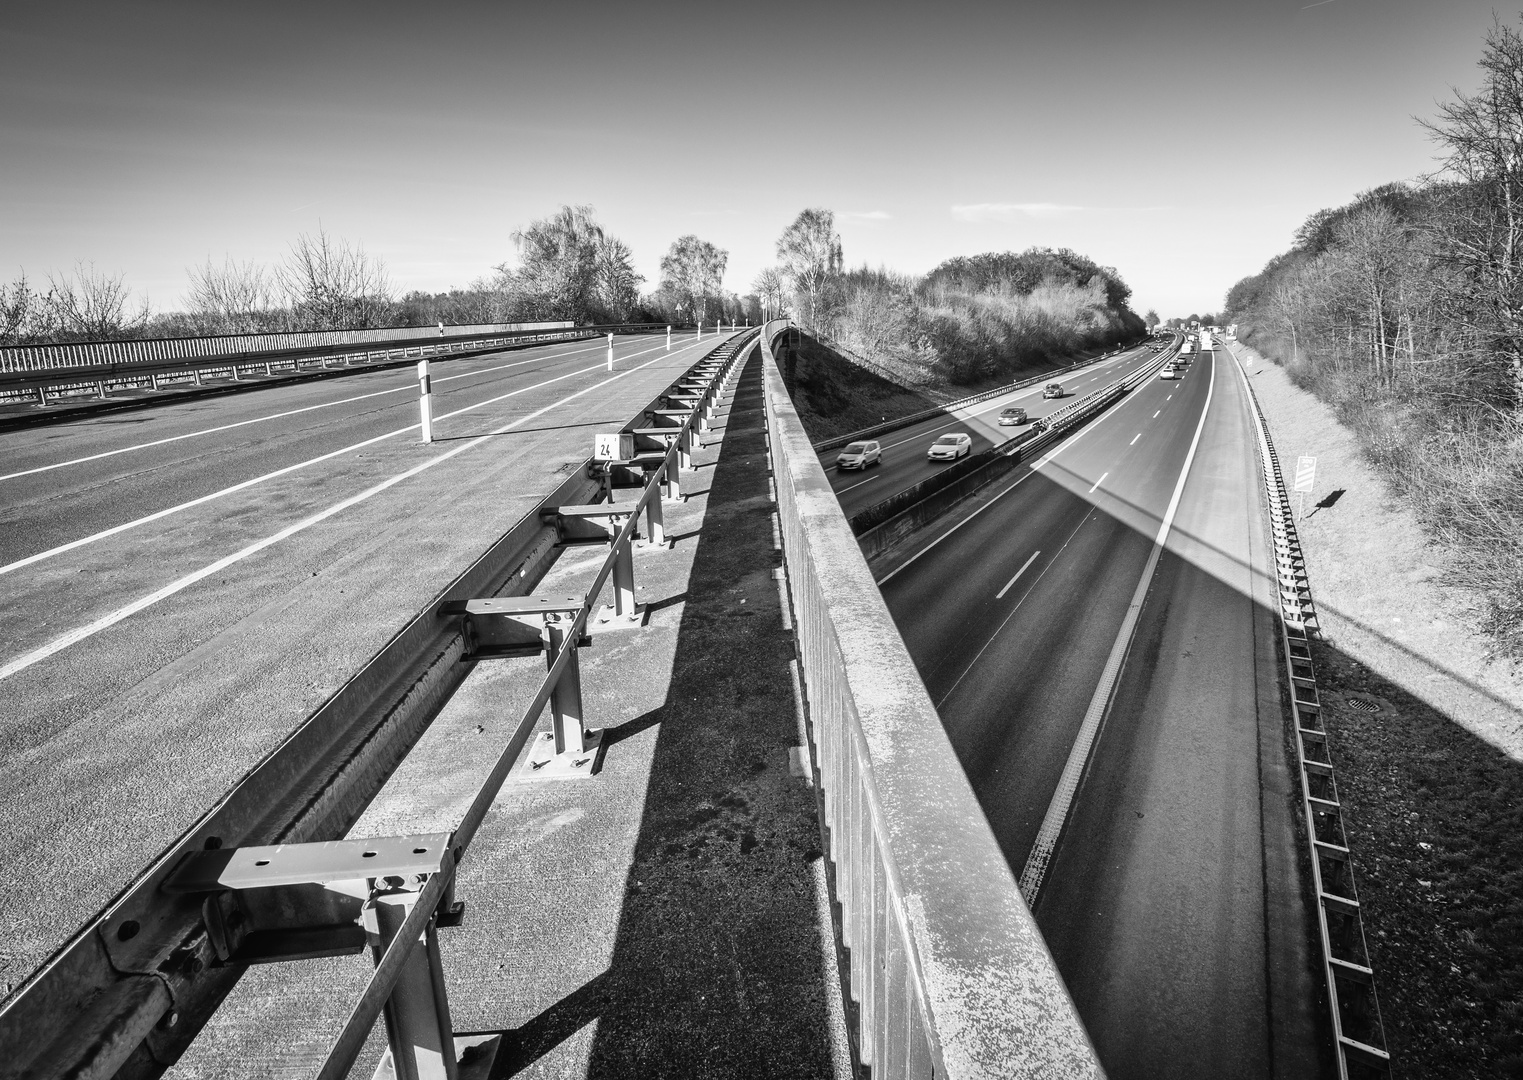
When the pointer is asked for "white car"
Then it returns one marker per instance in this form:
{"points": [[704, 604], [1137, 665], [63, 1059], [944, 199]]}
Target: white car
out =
{"points": [[1169, 372], [950, 447], [859, 455]]}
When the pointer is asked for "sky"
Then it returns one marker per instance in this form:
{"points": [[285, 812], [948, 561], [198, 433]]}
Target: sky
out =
{"points": [[1179, 141]]}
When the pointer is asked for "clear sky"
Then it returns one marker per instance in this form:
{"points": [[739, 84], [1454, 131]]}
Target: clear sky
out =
{"points": [[1180, 141]]}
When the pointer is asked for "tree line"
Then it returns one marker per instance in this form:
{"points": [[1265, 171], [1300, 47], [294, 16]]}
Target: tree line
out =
{"points": [[971, 319], [569, 267], [1404, 310]]}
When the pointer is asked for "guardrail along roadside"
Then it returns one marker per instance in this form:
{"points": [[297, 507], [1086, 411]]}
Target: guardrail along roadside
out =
{"points": [[1359, 1035], [266, 875], [947, 973]]}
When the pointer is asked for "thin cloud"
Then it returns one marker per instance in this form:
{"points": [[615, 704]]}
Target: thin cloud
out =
{"points": [[1011, 211], [1319, 3], [866, 215]]}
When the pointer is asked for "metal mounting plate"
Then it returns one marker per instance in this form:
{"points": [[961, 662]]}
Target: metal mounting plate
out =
{"points": [[543, 763]]}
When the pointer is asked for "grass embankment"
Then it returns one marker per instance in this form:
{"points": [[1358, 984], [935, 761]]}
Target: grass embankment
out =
{"points": [[1460, 469], [834, 396], [1434, 818]]}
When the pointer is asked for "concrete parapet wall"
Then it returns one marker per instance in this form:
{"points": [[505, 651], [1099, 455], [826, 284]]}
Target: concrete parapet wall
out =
{"points": [[948, 971]]}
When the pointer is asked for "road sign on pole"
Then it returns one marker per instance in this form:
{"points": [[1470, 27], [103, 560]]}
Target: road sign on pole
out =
{"points": [[1306, 477], [1306, 473]]}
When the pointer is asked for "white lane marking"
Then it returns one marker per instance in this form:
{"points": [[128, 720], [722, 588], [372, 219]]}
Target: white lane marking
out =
{"points": [[1048, 457], [996, 403], [1134, 439], [1098, 482], [1001, 594], [282, 415], [1155, 415], [168, 510], [75, 636], [1078, 756], [1000, 629], [858, 484]]}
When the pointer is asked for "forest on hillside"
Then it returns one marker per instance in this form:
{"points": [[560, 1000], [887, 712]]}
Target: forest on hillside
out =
{"points": [[1404, 310], [978, 318]]}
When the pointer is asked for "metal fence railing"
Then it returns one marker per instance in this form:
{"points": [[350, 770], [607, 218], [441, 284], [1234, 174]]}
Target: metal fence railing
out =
{"points": [[152, 350], [948, 972]]}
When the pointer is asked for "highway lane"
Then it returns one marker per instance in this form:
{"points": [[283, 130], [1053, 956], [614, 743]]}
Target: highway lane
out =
{"points": [[258, 607], [70, 480], [904, 463], [1154, 902]]}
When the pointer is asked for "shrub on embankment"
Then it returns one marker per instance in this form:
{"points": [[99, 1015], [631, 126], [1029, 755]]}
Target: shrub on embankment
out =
{"points": [[982, 319], [834, 396]]}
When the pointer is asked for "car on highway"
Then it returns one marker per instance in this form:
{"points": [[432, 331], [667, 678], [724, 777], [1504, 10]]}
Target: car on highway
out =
{"points": [[1052, 390], [950, 447], [859, 455], [1169, 372], [1012, 416]]}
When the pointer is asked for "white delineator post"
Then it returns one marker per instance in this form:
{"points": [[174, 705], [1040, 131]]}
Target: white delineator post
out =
{"points": [[700, 330], [425, 401], [610, 352], [668, 339]]}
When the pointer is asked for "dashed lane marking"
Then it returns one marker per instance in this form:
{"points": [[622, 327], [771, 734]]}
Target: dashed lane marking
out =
{"points": [[244, 485], [409, 386], [1001, 594], [1078, 756], [1097, 483], [75, 636]]}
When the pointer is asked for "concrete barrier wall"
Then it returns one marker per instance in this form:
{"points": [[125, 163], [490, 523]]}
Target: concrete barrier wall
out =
{"points": [[949, 973]]}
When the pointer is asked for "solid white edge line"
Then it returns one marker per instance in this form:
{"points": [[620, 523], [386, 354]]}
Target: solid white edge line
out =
{"points": [[858, 484], [243, 485], [1078, 756], [279, 416], [73, 637], [1001, 594]]}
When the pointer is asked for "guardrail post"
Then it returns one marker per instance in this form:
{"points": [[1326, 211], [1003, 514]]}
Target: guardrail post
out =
{"points": [[417, 1012], [566, 699], [655, 525], [425, 401]]}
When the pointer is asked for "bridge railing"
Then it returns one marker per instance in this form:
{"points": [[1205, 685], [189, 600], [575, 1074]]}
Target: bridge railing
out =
{"points": [[155, 350], [948, 971]]}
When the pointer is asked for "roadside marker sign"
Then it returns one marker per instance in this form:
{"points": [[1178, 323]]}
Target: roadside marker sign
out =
{"points": [[1306, 473], [618, 446]]}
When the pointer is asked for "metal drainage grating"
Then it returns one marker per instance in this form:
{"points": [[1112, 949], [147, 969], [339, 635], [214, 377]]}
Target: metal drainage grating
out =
{"points": [[1363, 705]]}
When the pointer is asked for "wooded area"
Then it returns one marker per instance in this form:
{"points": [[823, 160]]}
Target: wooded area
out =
{"points": [[1404, 310]]}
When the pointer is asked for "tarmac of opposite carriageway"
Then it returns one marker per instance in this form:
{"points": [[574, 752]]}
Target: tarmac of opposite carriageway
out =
{"points": [[118, 740]]}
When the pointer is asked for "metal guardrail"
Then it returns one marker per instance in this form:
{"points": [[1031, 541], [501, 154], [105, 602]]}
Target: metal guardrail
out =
{"points": [[948, 972], [941, 410], [882, 524], [263, 877], [1359, 1035], [153, 375], [152, 350]]}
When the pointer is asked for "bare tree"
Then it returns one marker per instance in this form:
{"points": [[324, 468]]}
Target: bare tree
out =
{"points": [[234, 298], [333, 285], [89, 305], [691, 272], [616, 285], [810, 253], [24, 313], [1483, 234], [771, 291]]}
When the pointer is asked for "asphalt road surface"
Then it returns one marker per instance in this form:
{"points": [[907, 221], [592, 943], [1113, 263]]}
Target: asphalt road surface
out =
{"points": [[904, 463], [1166, 887], [183, 586]]}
